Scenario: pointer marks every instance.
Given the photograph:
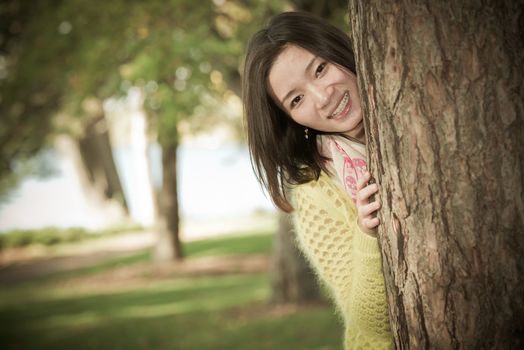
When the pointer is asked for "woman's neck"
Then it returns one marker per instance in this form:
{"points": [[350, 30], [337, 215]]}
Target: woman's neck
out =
{"points": [[358, 133]]}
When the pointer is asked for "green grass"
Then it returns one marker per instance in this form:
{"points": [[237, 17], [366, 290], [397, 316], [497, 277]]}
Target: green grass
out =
{"points": [[239, 244], [204, 313], [190, 313]]}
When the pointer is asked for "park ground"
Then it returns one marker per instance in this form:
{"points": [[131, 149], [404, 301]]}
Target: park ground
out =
{"points": [[111, 295]]}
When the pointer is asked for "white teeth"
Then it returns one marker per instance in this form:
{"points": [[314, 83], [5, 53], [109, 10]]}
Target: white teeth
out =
{"points": [[341, 105]]}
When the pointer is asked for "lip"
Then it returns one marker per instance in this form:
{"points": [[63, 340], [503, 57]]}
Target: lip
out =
{"points": [[346, 109]]}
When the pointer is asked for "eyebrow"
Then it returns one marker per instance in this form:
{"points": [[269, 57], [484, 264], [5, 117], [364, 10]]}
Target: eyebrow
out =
{"points": [[308, 67]]}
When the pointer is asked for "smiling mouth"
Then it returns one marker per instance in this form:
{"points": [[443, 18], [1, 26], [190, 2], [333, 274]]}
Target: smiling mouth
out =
{"points": [[342, 108]]}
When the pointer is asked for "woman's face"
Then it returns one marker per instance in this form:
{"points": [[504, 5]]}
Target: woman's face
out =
{"points": [[315, 93]]}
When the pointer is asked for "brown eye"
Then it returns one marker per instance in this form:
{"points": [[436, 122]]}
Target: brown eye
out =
{"points": [[295, 101], [320, 69]]}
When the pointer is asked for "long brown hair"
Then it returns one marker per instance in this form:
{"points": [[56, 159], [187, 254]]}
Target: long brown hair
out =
{"points": [[280, 154]]}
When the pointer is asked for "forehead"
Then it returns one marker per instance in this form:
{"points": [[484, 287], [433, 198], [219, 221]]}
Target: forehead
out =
{"points": [[288, 70]]}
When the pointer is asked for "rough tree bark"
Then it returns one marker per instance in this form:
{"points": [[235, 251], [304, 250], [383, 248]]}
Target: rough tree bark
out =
{"points": [[442, 89]]}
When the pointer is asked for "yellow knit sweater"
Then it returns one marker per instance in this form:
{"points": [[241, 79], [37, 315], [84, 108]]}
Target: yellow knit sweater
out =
{"points": [[346, 260]]}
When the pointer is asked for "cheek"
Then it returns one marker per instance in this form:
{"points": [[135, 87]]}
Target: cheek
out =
{"points": [[299, 118], [303, 118]]}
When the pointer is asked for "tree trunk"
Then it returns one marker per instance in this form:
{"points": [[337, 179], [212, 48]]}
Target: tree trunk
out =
{"points": [[442, 90], [292, 280], [322, 8], [97, 157], [169, 246]]}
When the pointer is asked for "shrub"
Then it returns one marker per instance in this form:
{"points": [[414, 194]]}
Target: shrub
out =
{"points": [[52, 235]]}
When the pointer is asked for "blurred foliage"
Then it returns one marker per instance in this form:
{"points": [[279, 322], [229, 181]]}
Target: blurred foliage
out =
{"points": [[60, 59], [52, 235], [45, 236]]}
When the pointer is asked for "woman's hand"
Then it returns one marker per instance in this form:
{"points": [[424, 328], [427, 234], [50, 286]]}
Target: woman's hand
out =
{"points": [[367, 220]]}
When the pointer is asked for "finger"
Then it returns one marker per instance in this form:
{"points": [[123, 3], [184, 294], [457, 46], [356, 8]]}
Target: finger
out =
{"points": [[369, 225], [368, 209], [372, 223], [366, 192], [363, 180]]}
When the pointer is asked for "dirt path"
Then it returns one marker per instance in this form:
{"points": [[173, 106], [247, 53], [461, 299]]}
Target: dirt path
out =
{"points": [[142, 274], [24, 265]]}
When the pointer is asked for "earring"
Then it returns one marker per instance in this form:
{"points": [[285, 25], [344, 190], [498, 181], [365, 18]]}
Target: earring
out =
{"points": [[306, 136]]}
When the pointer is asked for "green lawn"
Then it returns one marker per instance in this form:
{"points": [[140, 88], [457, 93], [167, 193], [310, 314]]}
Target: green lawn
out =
{"points": [[208, 312], [247, 243]]}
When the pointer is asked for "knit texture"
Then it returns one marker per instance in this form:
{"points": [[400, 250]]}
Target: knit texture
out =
{"points": [[345, 259]]}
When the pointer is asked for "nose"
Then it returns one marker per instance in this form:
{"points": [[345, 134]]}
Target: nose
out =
{"points": [[320, 94]]}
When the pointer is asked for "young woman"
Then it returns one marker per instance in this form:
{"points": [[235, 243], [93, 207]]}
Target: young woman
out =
{"points": [[306, 137]]}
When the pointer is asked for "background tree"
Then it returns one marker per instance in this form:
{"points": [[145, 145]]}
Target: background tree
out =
{"points": [[443, 94], [292, 279], [24, 91], [191, 60], [44, 50], [58, 60]]}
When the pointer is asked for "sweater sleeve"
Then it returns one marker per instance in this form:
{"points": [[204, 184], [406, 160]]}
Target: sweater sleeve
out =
{"points": [[345, 259]]}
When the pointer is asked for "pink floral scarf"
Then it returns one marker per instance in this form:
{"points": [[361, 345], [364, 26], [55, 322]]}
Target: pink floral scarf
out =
{"points": [[348, 161]]}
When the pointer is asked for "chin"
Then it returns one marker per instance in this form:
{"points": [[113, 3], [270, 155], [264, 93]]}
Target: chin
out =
{"points": [[355, 130]]}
